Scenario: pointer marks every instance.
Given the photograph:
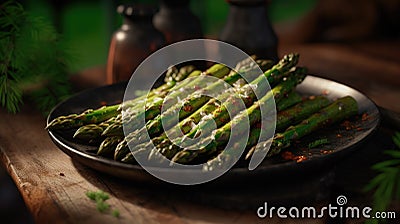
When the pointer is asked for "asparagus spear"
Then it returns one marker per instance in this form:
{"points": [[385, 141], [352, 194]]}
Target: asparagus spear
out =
{"points": [[226, 156], [190, 106], [243, 66], [107, 147], [291, 99], [87, 117], [166, 146], [95, 116], [170, 150], [294, 114], [253, 113], [91, 132], [150, 112], [299, 112], [121, 150], [340, 109], [192, 103]]}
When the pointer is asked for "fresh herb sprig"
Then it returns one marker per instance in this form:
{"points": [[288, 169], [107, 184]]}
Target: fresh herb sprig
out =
{"points": [[100, 197], [387, 183], [31, 54]]}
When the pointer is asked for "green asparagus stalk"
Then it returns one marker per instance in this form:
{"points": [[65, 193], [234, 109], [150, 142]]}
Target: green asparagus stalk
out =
{"points": [[90, 116], [253, 113], [278, 92], [168, 149], [87, 117], [291, 99], [108, 146], [166, 146], [300, 111], [340, 109], [150, 112], [294, 114], [208, 108], [226, 156], [92, 132], [191, 104], [121, 150]]}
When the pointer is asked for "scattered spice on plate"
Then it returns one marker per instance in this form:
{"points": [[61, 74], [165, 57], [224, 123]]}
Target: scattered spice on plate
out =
{"points": [[347, 124], [365, 117], [325, 152], [300, 159], [290, 156], [325, 92]]}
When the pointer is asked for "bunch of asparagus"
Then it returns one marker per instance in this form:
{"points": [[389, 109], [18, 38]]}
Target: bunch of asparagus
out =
{"points": [[208, 117]]}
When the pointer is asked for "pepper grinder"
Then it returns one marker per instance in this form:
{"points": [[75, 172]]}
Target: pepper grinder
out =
{"points": [[176, 21], [248, 27], [132, 42]]}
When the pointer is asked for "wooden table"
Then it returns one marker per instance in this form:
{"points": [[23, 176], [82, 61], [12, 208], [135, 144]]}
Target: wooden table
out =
{"points": [[53, 187]]}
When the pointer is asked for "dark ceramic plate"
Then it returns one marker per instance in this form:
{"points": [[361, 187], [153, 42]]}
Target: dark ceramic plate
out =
{"points": [[341, 141]]}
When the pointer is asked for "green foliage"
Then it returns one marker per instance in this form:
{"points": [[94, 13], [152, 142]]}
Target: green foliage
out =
{"points": [[96, 196], [31, 54], [102, 206], [318, 142], [100, 197], [115, 213], [387, 183]]}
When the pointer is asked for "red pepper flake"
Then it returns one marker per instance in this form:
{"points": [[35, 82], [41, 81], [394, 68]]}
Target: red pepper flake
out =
{"points": [[187, 108], [103, 103], [287, 155], [359, 129], [325, 92], [364, 117], [347, 125], [339, 136], [300, 159], [290, 156], [325, 152]]}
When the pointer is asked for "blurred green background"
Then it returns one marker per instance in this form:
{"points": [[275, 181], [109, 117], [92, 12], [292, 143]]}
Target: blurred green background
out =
{"points": [[87, 25]]}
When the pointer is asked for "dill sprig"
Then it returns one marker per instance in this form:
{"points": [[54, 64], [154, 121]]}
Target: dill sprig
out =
{"points": [[31, 54]]}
